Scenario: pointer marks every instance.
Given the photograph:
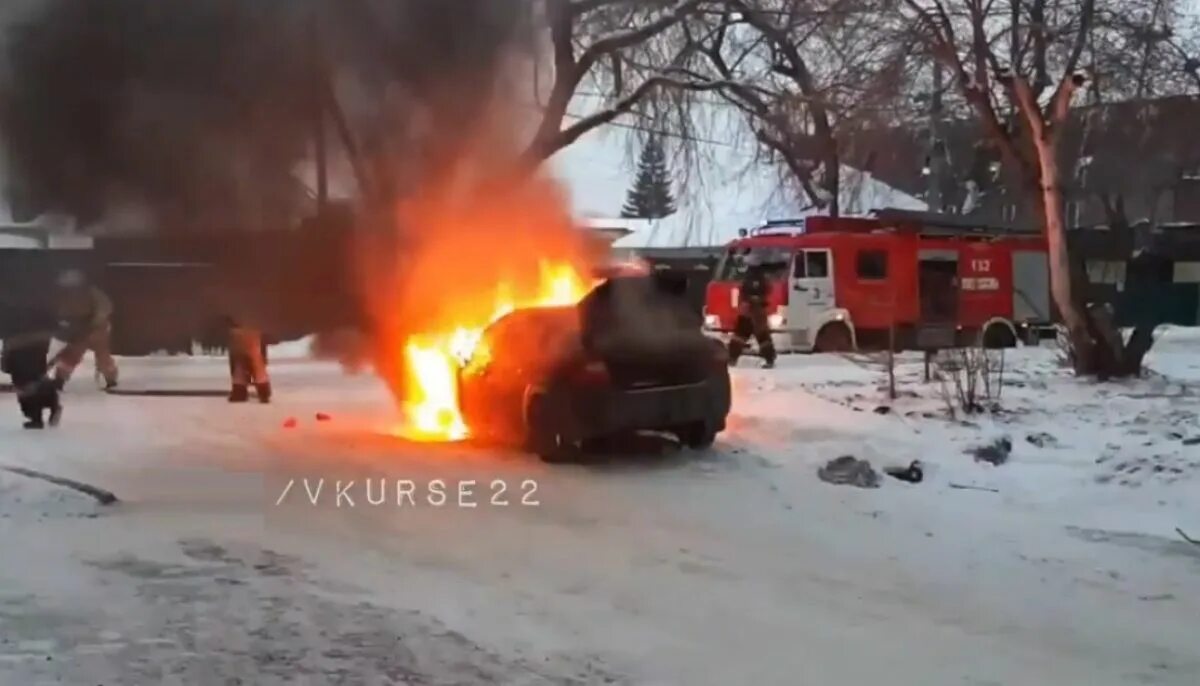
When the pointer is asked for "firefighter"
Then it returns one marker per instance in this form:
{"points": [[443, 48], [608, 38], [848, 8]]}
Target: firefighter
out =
{"points": [[752, 315], [24, 358], [85, 318], [247, 363]]}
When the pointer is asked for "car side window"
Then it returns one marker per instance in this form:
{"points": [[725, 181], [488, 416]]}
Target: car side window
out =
{"points": [[816, 264], [798, 265]]}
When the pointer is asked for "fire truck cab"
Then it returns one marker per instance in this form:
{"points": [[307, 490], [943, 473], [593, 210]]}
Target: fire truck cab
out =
{"points": [[841, 284]]}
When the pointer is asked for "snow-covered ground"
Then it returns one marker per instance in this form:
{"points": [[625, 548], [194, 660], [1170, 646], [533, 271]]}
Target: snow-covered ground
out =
{"points": [[736, 566]]}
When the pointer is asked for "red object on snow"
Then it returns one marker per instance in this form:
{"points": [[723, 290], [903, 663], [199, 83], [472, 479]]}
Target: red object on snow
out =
{"points": [[290, 423], [322, 417]]}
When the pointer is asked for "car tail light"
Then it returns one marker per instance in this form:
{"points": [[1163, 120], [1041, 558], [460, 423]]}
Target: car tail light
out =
{"points": [[592, 373]]}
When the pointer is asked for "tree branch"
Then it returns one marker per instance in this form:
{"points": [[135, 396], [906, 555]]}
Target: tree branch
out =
{"points": [[542, 149], [624, 39], [1026, 102], [940, 37], [1060, 103], [802, 173]]}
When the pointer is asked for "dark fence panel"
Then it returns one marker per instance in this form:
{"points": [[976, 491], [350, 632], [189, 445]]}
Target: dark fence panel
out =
{"points": [[168, 291]]}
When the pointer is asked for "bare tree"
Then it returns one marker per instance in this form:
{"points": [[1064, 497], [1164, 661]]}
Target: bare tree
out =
{"points": [[1019, 64], [615, 47], [805, 75], [1145, 49]]}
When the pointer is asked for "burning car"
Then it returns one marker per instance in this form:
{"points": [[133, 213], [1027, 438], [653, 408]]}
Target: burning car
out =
{"points": [[630, 356]]}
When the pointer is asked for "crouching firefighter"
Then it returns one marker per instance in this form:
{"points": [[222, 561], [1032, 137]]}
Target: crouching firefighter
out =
{"points": [[85, 321], [247, 363], [23, 357], [752, 316]]}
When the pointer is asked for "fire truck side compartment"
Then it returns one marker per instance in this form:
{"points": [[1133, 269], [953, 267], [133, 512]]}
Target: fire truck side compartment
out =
{"points": [[1031, 286]]}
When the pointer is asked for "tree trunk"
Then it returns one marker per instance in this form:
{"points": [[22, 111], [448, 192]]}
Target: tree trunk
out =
{"points": [[833, 177], [1097, 347], [1061, 289]]}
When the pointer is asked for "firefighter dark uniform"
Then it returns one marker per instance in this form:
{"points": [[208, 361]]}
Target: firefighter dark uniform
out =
{"points": [[85, 315], [752, 318], [24, 358], [247, 363]]}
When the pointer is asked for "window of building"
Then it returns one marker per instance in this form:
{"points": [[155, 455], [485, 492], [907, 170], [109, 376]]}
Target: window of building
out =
{"points": [[872, 265], [1186, 272], [1106, 272]]}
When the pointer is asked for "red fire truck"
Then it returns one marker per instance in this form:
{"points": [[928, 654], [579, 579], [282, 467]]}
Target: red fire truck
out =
{"points": [[916, 279]]}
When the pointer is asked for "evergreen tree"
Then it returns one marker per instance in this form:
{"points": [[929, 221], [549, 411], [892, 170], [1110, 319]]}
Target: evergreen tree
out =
{"points": [[650, 197]]}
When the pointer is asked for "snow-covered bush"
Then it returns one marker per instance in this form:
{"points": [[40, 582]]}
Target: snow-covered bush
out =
{"points": [[969, 378]]}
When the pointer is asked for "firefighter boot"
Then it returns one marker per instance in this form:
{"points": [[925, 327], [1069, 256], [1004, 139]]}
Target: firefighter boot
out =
{"points": [[34, 418], [263, 391], [56, 414], [30, 407], [768, 354], [736, 347], [239, 394]]}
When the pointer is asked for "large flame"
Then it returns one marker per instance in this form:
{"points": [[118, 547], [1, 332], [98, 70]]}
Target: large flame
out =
{"points": [[431, 361], [466, 248]]}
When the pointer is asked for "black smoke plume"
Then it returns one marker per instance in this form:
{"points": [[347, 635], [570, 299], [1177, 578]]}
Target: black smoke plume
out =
{"points": [[194, 114]]}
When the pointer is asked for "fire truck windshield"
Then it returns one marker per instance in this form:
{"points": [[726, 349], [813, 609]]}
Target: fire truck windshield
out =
{"points": [[735, 262]]}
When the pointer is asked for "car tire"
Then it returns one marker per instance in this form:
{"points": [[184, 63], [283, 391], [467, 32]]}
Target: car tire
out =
{"points": [[699, 436], [599, 445], [542, 439], [552, 450]]}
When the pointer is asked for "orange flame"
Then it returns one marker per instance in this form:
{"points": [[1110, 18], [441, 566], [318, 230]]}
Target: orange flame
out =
{"points": [[432, 360], [464, 250]]}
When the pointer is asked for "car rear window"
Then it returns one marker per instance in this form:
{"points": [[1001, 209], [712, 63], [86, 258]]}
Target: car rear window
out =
{"points": [[531, 332]]}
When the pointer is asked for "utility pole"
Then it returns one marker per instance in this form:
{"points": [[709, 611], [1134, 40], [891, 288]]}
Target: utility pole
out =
{"points": [[318, 113], [937, 148]]}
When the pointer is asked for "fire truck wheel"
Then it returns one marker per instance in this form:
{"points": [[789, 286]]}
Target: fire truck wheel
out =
{"points": [[833, 338], [998, 336]]}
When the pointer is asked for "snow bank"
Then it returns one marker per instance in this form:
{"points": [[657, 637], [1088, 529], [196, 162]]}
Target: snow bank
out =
{"points": [[292, 350], [25, 501], [1119, 454]]}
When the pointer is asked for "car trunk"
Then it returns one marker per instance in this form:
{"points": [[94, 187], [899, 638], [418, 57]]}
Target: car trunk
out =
{"points": [[645, 333]]}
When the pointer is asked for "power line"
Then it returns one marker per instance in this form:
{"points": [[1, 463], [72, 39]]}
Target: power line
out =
{"points": [[658, 132]]}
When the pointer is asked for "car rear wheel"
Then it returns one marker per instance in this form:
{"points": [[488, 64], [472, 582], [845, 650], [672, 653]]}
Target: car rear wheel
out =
{"points": [[542, 438], [698, 436], [552, 449]]}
